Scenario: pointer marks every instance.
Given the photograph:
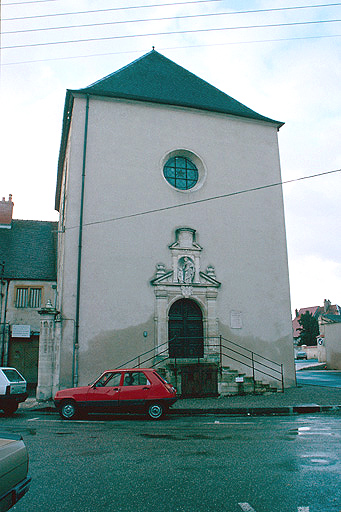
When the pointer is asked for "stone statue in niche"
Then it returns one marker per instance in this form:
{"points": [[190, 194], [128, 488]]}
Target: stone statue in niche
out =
{"points": [[186, 270]]}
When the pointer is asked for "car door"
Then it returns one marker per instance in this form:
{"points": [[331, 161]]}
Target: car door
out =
{"points": [[103, 395], [134, 391]]}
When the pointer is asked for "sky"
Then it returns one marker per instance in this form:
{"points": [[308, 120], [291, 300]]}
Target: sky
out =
{"points": [[281, 59]]}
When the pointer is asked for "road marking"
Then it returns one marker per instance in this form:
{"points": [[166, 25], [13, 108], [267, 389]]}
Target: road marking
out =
{"points": [[246, 507], [69, 422], [227, 423], [33, 419]]}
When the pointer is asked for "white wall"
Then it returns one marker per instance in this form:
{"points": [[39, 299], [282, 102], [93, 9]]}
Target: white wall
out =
{"points": [[332, 341], [243, 236]]}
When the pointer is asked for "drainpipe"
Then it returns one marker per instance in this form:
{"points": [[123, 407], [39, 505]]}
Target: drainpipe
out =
{"points": [[4, 351], [80, 237]]}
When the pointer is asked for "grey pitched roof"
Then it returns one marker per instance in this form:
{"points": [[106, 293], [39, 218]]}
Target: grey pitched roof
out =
{"points": [[156, 79], [29, 250], [334, 319]]}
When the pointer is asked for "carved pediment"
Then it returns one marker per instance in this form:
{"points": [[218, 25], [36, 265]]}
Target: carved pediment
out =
{"points": [[185, 272], [167, 278], [185, 240]]}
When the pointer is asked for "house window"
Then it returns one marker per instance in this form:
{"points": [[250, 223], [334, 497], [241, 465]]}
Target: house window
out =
{"points": [[21, 299], [35, 298], [181, 172], [28, 297]]}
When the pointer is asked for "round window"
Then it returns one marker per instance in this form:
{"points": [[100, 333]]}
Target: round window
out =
{"points": [[181, 173]]}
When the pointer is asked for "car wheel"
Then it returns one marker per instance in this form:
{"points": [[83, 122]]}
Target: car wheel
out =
{"points": [[68, 410], [10, 408], [155, 411]]}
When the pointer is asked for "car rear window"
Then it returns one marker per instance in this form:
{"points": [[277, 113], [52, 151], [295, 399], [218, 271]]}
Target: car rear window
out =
{"points": [[161, 378], [135, 379], [13, 375]]}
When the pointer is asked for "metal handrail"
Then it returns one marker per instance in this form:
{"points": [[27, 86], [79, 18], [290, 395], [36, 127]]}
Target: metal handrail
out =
{"points": [[250, 362], [154, 349]]}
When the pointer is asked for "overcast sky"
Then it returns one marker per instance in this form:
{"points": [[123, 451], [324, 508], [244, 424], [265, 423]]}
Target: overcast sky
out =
{"points": [[289, 71]]}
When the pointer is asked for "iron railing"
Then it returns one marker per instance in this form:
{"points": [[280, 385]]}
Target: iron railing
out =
{"points": [[219, 348]]}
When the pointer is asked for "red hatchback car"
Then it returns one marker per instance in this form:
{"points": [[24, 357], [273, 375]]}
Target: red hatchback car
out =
{"points": [[123, 390]]}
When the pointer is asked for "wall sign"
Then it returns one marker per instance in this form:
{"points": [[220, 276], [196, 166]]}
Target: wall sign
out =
{"points": [[236, 320], [21, 331]]}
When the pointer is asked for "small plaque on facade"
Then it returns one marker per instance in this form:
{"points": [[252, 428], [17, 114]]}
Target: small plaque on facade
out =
{"points": [[21, 331], [236, 320]]}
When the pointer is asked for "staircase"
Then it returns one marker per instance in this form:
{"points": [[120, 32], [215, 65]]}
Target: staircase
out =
{"points": [[255, 374]]}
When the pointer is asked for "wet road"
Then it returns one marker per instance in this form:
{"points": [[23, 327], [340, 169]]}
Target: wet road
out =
{"points": [[328, 378], [267, 464]]}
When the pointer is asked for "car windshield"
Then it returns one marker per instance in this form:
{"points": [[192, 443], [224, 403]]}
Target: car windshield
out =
{"points": [[13, 375]]}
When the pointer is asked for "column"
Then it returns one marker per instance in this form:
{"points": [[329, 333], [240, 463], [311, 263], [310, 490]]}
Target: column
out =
{"points": [[46, 351]]}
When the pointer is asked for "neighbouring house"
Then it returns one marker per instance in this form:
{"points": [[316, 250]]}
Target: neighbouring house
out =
{"points": [[330, 339], [172, 236], [317, 351], [28, 251], [316, 312]]}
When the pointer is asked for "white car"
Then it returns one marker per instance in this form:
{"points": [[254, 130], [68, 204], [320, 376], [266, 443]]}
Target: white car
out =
{"points": [[12, 389], [301, 355], [14, 480]]}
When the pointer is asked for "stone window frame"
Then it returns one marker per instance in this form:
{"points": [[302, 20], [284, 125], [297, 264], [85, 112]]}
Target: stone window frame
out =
{"points": [[27, 300], [195, 159]]}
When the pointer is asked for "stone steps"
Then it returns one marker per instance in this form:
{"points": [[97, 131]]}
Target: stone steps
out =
{"points": [[230, 381]]}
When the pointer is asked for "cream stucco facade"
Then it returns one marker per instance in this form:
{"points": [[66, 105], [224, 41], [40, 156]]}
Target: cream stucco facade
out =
{"points": [[120, 271]]}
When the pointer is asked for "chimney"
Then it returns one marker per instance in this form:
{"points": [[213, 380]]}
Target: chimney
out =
{"points": [[326, 305], [6, 212]]}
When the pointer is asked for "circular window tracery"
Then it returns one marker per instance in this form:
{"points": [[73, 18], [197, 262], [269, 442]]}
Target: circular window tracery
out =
{"points": [[181, 172]]}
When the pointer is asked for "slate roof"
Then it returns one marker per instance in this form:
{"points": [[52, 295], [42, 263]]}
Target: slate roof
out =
{"points": [[332, 319], [156, 79], [29, 250]]}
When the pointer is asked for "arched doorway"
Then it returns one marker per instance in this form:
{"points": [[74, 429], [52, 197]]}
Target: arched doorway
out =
{"points": [[185, 330]]}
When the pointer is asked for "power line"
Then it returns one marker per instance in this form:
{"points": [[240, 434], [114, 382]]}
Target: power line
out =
{"points": [[213, 198], [170, 18], [87, 56], [171, 4], [173, 32], [29, 2]]}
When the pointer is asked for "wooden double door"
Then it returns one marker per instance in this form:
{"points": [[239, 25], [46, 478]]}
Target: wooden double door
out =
{"points": [[185, 330], [186, 341]]}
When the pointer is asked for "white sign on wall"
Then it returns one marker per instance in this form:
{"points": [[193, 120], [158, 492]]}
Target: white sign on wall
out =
{"points": [[21, 331], [236, 320]]}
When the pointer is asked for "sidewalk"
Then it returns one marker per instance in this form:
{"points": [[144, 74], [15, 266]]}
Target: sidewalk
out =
{"points": [[301, 399]]}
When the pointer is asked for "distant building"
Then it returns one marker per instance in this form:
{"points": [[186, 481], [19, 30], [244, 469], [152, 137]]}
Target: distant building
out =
{"points": [[150, 257], [28, 280], [316, 312], [330, 339]]}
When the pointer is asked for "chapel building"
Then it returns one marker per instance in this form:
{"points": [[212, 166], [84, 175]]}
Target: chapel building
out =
{"points": [[172, 247]]}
